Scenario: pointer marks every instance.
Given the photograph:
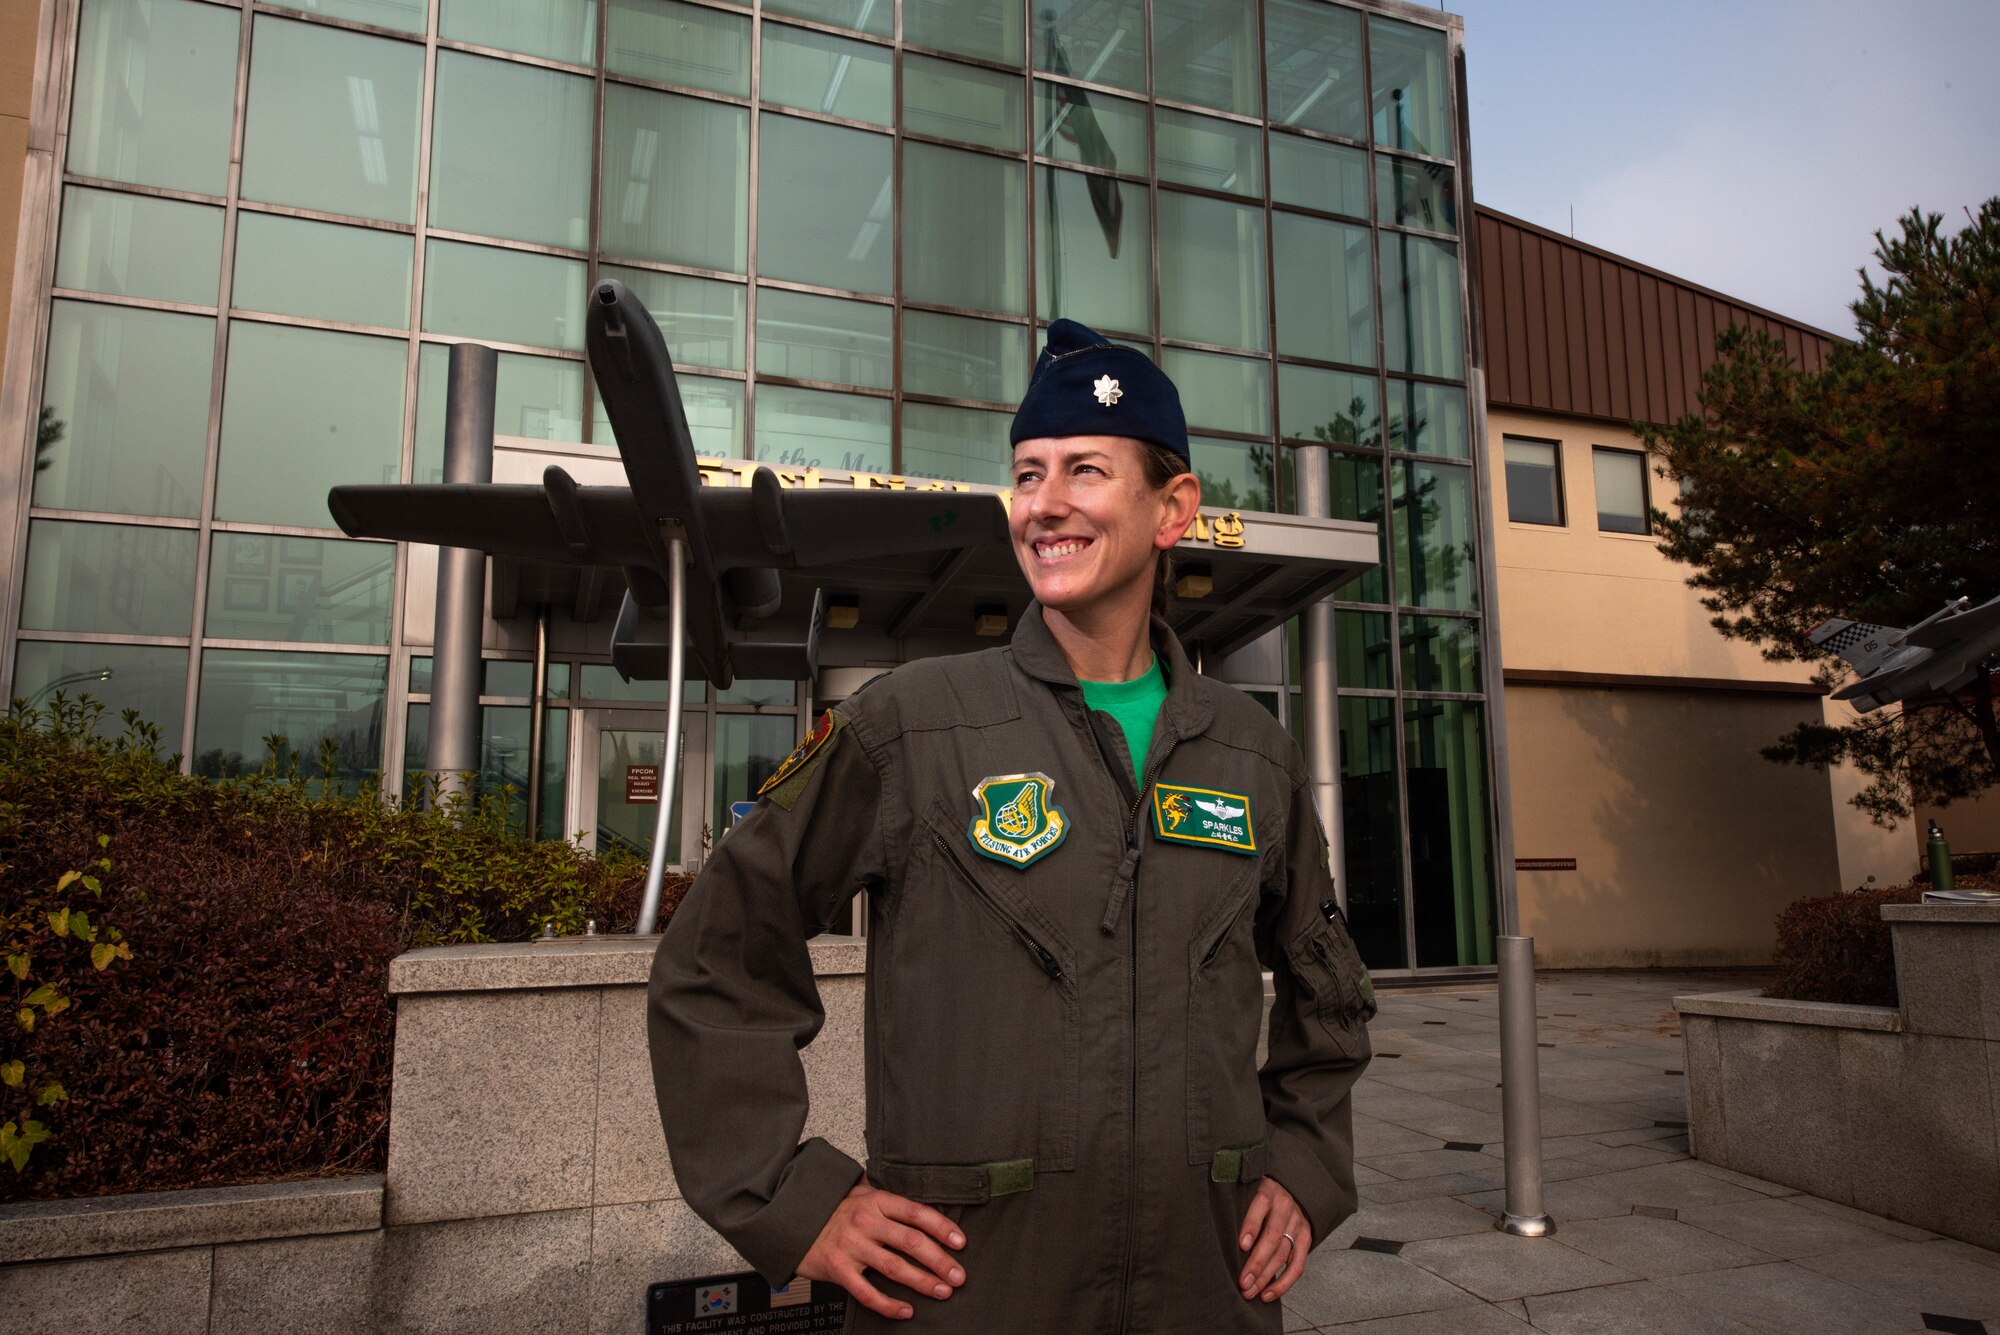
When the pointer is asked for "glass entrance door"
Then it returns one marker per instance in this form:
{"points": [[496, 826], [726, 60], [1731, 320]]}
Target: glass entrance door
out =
{"points": [[618, 771]]}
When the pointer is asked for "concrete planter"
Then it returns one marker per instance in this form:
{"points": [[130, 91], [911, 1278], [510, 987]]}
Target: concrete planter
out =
{"points": [[1893, 1110]]}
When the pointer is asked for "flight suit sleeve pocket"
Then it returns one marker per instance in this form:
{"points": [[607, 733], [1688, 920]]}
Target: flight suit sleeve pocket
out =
{"points": [[1326, 965]]}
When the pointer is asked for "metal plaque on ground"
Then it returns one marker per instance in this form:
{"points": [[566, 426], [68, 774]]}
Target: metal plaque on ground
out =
{"points": [[744, 1302]]}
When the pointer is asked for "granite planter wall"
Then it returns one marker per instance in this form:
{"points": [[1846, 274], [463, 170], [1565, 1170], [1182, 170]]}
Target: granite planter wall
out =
{"points": [[1893, 1110], [528, 1186]]}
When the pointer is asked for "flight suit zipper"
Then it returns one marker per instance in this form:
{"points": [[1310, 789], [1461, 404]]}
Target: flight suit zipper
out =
{"points": [[1050, 965]]}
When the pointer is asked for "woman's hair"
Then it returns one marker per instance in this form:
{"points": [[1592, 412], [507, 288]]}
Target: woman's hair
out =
{"points": [[1162, 466]]}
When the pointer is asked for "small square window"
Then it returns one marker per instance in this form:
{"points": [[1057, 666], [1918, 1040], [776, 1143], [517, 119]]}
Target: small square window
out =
{"points": [[1534, 482], [1621, 490]]}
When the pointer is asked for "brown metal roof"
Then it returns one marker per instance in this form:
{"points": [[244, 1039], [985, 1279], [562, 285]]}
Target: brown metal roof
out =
{"points": [[1573, 329]]}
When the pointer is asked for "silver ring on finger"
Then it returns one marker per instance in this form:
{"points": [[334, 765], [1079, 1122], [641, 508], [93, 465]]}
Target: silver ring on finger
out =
{"points": [[1294, 1244]]}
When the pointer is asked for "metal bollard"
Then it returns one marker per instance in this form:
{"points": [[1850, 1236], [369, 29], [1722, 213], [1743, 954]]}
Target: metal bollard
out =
{"points": [[1521, 1091]]}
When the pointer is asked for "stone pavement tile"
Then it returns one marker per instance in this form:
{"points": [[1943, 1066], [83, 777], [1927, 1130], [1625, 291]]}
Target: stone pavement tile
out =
{"points": [[1644, 1308], [1570, 1117], [1785, 1297], [1609, 1158], [1756, 1184], [1413, 1221], [1448, 1184], [1935, 1276], [1431, 1077], [1655, 1248], [1363, 1175], [1782, 1227], [1359, 1286], [1674, 1185], [1895, 1228], [1432, 1117], [1497, 1265], [1373, 1136], [1639, 1135], [1433, 1163], [1564, 1200], [1455, 1321]]}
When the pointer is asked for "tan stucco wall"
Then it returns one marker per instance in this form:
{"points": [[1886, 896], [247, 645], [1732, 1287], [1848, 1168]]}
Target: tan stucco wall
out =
{"points": [[18, 19], [1971, 825], [1687, 842]]}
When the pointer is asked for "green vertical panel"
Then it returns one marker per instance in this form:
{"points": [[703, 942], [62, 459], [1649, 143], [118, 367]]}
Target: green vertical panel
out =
{"points": [[1326, 300], [979, 202], [1415, 194], [1234, 475], [1093, 257], [1328, 407], [249, 695], [1441, 654], [984, 29], [1363, 653], [1371, 821], [700, 318], [1206, 52], [403, 15], [139, 246], [554, 29], [1208, 152], [154, 96], [1437, 555], [670, 42], [1313, 174], [652, 143], [1451, 839], [295, 266], [806, 337], [870, 16], [1212, 280], [962, 358], [1422, 328], [955, 444], [1355, 489], [947, 100], [835, 76], [1102, 41], [1428, 419], [748, 749], [150, 680], [1221, 393], [315, 590], [823, 206], [510, 150], [1089, 128], [1312, 59], [1410, 71], [811, 428], [114, 579], [508, 296]]}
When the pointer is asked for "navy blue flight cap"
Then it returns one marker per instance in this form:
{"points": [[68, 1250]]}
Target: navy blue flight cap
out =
{"points": [[1086, 385]]}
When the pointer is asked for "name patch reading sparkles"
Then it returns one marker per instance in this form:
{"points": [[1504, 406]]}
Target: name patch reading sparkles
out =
{"points": [[1019, 820], [1204, 816]]}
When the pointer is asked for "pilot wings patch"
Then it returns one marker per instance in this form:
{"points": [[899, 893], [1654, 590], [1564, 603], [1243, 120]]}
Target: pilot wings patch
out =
{"points": [[1204, 816]]}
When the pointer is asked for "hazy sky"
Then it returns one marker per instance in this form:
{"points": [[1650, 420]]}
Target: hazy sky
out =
{"points": [[1753, 146]]}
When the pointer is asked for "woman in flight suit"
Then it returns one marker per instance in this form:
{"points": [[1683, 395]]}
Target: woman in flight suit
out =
{"points": [[1080, 854]]}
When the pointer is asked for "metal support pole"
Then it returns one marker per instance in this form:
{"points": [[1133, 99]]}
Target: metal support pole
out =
{"points": [[538, 713], [461, 584], [1521, 1091], [670, 759], [1318, 684]]}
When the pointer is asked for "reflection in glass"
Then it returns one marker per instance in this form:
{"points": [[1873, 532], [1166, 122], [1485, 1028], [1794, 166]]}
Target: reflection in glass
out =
{"points": [[835, 76], [553, 29], [1415, 194], [748, 749], [1427, 419], [983, 29], [970, 212], [1312, 57], [962, 358], [823, 205], [155, 93], [139, 246], [312, 590], [1451, 843], [811, 428], [1092, 129], [746, 692], [510, 150], [113, 579], [247, 695], [1212, 271], [691, 45], [1420, 306], [125, 410], [294, 266], [600, 681], [1101, 41], [1441, 654], [507, 296], [955, 444], [1206, 52], [869, 16], [948, 100], [700, 318], [1362, 651], [1370, 817], [1621, 490], [1355, 486], [1234, 475], [1093, 259], [651, 142], [503, 759], [540, 398], [1221, 393], [306, 409], [150, 680], [809, 337], [714, 416], [332, 120], [1209, 152], [1437, 554], [402, 15], [1330, 407], [625, 825], [1409, 68], [1326, 301], [1534, 482], [1313, 174]]}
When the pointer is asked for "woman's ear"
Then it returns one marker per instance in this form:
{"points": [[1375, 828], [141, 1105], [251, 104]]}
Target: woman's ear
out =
{"points": [[1182, 498]]}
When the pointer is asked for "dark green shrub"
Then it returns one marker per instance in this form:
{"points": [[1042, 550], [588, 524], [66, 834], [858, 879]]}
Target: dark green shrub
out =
{"points": [[1837, 948]]}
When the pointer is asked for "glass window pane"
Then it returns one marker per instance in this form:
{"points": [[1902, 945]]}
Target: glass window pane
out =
{"points": [[836, 76], [714, 416], [552, 29], [823, 338], [869, 16], [1451, 840], [1331, 407], [811, 428], [155, 93], [508, 677], [247, 695], [150, 680], [1371, 820], [823, 205], [510, 150], [1312, 56], [1437, 551], [1093, 129], [601, 681], [332, 121], [1534, 482], [1212, 272], [1427, 419], [1093, 257], [112, 579], [503, 759], [1621, 491], [294, 266], [1221, 393], [1420, 306], [1103, 41], [1326, 303], [653, 143], [962, 358], [686, 44], [540, 398], [783, 693], [748, 750], [402, 15], [124, 423], [700, 318], [319, 590], [1206, 52], [509, 296], [1409, 68], [1415, 194], [138, 246], [986, 29], [1356, 493], [1441, 654], [956, 444], [306, 409], [1208, 152], [1362, 651], [965, 215], [1234, 475], [952, 101], [1314, 174]]}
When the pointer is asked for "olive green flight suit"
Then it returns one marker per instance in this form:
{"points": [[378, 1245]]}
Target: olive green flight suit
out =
{"points": [[1061, 1056]]}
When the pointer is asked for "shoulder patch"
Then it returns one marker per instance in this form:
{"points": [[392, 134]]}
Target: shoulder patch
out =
{"points": [[789, 779]]}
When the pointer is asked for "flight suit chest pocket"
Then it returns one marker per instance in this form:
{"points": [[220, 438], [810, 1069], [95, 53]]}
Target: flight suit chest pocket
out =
{"points": [[1225, 1105], [1328, 969]]}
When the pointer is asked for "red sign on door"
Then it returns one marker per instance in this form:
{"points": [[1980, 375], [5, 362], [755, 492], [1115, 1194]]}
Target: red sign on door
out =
{"points": [[642, 784]]}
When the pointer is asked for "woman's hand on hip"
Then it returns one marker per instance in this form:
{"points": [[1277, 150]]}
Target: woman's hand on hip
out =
{"points": [[1277, 1235], [894, 1236]]}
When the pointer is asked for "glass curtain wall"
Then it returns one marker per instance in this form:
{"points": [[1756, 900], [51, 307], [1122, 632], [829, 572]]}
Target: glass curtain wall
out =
{"points": [[852, 219]]}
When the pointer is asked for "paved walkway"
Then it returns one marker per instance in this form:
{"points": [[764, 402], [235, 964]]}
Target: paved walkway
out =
{"points": [[1648, 1240]]}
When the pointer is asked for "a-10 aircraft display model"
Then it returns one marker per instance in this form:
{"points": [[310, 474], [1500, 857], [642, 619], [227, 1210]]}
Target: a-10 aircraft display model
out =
{"points": [[1940, 654]]}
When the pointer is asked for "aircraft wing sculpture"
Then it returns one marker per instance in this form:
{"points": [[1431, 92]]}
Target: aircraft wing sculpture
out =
{"points": [[1938, 655]]}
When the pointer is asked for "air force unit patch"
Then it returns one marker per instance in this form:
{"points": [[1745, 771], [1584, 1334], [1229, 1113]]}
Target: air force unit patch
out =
{"points": [[789, 779], [1204, 816], [1019, 820]]}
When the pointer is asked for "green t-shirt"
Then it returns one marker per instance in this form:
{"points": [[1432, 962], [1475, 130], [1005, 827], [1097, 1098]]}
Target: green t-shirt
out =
{"points": [[1136, 706]]}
